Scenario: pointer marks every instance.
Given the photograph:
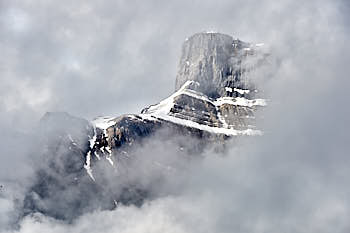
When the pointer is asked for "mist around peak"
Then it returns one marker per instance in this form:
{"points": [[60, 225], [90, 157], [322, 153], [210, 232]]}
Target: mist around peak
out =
{"points": [[293, 179]]}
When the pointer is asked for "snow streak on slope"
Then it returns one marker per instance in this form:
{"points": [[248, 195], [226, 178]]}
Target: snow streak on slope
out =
{"points": [[87, 166], [162, 110], [192, 124], [240, 101], [102, 123], [165, 106]]}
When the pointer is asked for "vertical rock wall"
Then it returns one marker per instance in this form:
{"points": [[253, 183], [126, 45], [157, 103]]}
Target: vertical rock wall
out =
{"points": [[215, 61]]}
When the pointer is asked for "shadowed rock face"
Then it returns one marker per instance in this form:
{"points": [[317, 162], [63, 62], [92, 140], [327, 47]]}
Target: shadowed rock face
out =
{"points": [[88, 165], [204, 57], [213, 60]]}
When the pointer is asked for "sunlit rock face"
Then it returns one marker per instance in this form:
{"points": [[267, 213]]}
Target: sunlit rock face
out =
{"points": [[101, 162]]}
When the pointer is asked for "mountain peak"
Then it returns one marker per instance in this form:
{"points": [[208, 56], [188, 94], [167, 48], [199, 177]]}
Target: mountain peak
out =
{"points": [[213, 101], [215, 61]]}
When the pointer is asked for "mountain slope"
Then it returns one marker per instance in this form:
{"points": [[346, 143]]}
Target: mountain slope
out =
{"points": [[215, 99]]}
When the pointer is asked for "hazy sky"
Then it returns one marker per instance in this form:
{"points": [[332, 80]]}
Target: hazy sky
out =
{"points": [[105, 57], [111, 57], [94, 58]]}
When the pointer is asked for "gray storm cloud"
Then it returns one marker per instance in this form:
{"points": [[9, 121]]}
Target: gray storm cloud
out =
{"points": [[115, 57]]}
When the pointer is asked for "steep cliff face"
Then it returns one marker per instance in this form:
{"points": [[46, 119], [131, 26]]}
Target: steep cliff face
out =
{"points": [[205, 57], [217, 62], [214, 100]]}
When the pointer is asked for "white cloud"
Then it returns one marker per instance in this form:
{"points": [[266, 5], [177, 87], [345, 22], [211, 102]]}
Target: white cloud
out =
{"points": [[16, 20], [293, 179]]}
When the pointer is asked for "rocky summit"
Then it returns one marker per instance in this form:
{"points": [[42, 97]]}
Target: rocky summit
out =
{"points": [[215, 99]]}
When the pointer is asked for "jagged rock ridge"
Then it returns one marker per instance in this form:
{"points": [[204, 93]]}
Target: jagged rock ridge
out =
{"points": [[214, 97]]}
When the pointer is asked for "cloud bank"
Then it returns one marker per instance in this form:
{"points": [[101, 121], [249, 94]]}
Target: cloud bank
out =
{"points": [[105, 58]]}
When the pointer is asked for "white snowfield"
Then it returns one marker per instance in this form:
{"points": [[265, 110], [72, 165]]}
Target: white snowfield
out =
{"points": [[211, 32], [255, 47], [241, 91], [229, 89], [240, 101]]}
